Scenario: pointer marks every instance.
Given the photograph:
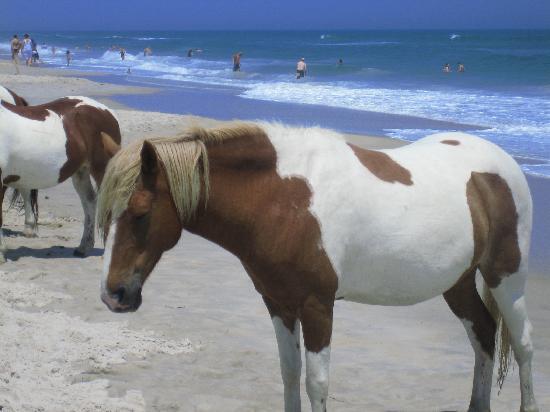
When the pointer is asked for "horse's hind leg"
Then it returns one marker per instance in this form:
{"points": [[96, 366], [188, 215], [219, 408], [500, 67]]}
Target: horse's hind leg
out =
{"points": [[509, 295], [86, 192], [31, 225], [466, 304], [3, 247]]}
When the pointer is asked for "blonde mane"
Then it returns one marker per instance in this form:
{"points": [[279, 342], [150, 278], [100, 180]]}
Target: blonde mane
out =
{"points": [[185, 161]]}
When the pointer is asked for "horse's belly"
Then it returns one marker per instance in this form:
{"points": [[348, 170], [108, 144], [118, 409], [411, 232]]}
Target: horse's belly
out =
{"points": [[35, 172], [394, 281]]}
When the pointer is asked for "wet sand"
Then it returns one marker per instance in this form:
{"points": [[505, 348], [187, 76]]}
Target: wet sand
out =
{"points": [[202, 340]]}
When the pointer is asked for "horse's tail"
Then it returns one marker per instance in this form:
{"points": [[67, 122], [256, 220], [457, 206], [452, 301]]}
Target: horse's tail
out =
{"points": [[17, 202], [503, 348]]}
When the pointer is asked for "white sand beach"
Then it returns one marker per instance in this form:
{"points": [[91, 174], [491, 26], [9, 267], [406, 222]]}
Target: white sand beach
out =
{"points": [[203, 340]]}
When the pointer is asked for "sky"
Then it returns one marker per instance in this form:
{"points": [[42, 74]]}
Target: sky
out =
{"points": [[142, 15]]}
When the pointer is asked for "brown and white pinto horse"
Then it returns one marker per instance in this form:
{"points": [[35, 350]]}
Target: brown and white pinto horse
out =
{"points": [[314, 219], [30, 197], [42, 146]]}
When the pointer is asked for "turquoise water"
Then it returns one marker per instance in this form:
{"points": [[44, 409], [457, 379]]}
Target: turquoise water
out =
{"points": [[505, 88]]}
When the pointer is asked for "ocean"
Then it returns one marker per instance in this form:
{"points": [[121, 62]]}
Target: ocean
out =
{"points": [[505, 89]]}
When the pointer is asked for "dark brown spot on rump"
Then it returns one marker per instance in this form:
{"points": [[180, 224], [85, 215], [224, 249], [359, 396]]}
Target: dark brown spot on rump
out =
{"points": [[11, 179], [382, 166], [495, 222], [451, 142], [93, 135]]}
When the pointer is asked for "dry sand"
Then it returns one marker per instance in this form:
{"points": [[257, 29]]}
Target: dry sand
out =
{"points": [[202, 340]]}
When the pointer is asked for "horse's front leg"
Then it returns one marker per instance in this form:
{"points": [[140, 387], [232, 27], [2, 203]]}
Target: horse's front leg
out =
{"points": [[287, 332], [316, 317], [31, 210]]}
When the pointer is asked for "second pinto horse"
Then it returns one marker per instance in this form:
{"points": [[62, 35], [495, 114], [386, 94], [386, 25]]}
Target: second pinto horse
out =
{"points": [[314, 219], [44, 145]]}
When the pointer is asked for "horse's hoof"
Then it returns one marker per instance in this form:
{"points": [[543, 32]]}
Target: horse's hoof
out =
{"points": [[79, 253]]}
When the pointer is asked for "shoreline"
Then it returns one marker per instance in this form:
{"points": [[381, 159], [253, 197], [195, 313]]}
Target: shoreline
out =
{"points": [[203, 326], [225, 104]]}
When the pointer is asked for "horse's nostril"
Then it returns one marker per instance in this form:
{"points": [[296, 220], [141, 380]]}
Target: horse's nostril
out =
{"points": [[121, 291]]}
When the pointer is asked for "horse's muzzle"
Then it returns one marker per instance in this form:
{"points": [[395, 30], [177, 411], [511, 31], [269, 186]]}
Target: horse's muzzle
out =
{"points": [[123, 300]]}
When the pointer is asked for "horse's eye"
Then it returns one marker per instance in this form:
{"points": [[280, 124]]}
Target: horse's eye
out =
{"points": [[141, 216]]}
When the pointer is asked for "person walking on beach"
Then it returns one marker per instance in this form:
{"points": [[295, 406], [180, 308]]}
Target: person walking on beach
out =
{"points": [[301, 68], [15, 47], [27, 49], [69, 57], [237, 61]]}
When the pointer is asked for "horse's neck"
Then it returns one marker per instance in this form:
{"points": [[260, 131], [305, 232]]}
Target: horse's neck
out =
{"points": [[239, 171]]}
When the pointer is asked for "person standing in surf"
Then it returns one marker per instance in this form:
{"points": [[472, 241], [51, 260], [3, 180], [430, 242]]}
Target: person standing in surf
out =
{"points": [[301, 68], [15, 47], [27, 49], [237, 61]]}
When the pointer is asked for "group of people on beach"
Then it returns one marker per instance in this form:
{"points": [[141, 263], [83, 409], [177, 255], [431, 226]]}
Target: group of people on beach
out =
{"points": [[27, 48]]}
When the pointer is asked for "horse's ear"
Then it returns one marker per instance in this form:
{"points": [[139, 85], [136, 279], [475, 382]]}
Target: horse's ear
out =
{"points": [[149, 161]]}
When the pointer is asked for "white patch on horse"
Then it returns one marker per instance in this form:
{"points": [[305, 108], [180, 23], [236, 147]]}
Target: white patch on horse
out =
{"points": [[290, 360], [389, 243], [107, 256], [317, 378], [6, 95], [86, 101], [32, 149]]}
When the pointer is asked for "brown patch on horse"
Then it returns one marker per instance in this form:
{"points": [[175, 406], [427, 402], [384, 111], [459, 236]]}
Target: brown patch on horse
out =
{"points": [[451, 142], [93, 136], [382, 166], [41, 112], [19, 101], [250, 204], [495, 222], [10, 179]]}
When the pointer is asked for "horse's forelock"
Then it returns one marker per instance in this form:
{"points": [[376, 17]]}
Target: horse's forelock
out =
{"points": [[185, 162]]}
